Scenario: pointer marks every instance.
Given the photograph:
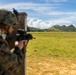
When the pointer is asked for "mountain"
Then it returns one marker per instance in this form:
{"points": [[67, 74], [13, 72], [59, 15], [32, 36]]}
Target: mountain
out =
{"points": [[57, 28], [69, 28]]}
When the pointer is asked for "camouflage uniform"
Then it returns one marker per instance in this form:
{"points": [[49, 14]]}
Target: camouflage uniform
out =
{"points": [[9, 63], [8, 60], [7, 17]]}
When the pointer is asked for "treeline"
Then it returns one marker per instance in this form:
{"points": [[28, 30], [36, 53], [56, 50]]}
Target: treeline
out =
{"points": [[33, 29], [57, 28]]}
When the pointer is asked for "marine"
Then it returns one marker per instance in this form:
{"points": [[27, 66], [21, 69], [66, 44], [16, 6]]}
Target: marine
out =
{"points": [[11, 50]]}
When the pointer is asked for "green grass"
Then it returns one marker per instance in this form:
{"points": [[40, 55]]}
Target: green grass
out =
{"points": [[51, 53], [59, 44]]}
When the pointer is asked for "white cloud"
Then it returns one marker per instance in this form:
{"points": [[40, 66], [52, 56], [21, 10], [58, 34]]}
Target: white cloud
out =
{"points": [[43, 10], [30, 6], [60, 13], [37, 23], [46, 24], [66, 20]]}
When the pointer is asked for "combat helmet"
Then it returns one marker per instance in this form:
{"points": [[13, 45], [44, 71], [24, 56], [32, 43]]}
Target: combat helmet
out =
{"points": [[7, 17]]}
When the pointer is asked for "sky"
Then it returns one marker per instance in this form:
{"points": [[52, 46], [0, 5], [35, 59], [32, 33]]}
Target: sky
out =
{"points": [[44, 13]]}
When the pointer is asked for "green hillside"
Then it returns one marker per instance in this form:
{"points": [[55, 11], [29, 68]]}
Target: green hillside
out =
{"points": [[57, 28], [69, 28]]}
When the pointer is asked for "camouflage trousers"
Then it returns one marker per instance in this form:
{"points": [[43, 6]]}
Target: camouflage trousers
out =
{"points": [[8, 64]]}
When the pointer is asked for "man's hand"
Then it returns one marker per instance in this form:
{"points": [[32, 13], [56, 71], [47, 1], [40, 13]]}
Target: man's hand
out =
{"points": [[21, 44]]}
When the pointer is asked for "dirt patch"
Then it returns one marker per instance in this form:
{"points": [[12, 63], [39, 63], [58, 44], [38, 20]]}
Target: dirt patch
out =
{"points": [[51, 66]]}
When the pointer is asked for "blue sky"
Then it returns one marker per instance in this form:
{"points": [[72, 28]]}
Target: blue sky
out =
{"points": [[44, 13]]}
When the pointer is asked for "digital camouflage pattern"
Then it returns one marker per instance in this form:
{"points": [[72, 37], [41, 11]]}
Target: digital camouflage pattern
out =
{"points": [[8, 61], [7, 17], [9, 64]]}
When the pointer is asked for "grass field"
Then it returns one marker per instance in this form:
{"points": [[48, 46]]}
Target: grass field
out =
{"points": [[52, 53]]}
